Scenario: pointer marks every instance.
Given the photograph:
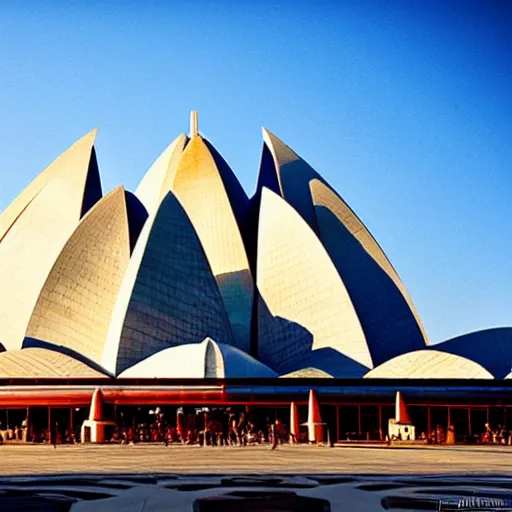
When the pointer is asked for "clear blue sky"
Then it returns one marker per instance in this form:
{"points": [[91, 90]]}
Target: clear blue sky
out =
{"points": [[405, 107]]}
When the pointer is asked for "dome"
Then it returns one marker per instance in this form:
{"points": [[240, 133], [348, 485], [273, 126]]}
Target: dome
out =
{"points": [[429, 364], [307, 373], [199, 360], [42, 363]]}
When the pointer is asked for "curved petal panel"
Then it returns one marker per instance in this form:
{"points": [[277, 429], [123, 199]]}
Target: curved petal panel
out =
{"points": [[168, 296], [303, 304], [236, 194], [42, 363], [158, 180], [71, 161], [386, 312], [292, 174], [429, 364], [48, 213], [76, 303], [137, 215], [200, 189]]}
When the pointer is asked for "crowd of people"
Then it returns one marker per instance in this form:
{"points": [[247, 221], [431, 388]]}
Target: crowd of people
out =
{"points": [[498, 435], [38, 436], [218, 427], [215, 427], [206, 428], [13, 434]]}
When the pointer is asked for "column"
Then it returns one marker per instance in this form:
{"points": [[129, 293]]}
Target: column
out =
{"points": [[27, 426], [337, 423], [49, 424]]}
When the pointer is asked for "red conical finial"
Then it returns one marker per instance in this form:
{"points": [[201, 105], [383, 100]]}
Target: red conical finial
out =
{"points": [[314, 408], [401, 415], [96, 412], [294, 422], [315, 426]]}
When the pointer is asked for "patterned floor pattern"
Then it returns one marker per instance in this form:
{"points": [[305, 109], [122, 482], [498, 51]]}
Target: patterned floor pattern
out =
{"points": [[292, 479], [216, 493]]}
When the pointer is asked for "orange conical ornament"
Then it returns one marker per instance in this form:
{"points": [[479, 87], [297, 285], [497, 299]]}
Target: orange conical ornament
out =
{"points": [[401, 415], [96, 411], [294, 423], [315, 425]]}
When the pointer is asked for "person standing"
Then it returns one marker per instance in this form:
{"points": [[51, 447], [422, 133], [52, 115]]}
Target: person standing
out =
{"points": [[233, 436], [276, 429], [225, 428]]}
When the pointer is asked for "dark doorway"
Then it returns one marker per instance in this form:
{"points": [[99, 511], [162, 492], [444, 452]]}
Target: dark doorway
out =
{"points": [[419, 418], [459, 418], [478, 421], [370, 422], [328, 413], [349, 423], [497, 417], [388, 412], [38, 424]]}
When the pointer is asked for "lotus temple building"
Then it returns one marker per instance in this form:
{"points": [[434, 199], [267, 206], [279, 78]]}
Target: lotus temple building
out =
{"points": [[187, 293]]}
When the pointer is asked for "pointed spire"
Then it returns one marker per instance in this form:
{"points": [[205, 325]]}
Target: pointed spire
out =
{"points": [[96, 411], [315, 426], [294, 422], [401, 415], [194, 124]]}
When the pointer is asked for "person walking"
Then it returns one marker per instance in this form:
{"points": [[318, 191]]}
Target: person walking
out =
{"points": [[276, 429], [240, 430]]}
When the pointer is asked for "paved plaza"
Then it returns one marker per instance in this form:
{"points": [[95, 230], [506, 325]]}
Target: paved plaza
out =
{"points": [[153, 478], [30, 459]]}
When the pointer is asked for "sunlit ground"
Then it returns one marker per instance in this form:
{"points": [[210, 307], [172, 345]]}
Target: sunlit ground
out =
{"points": [[29, 459]]}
